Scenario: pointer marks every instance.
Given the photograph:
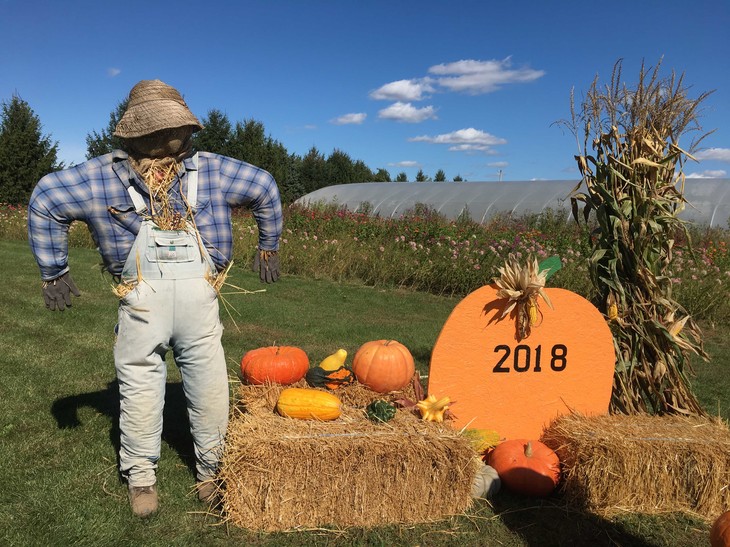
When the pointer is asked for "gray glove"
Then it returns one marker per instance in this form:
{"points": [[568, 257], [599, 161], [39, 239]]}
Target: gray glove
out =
{"points": [[267, 264], [57, 293]]}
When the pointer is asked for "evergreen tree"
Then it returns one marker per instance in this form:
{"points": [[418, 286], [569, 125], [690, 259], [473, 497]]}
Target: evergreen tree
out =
{"points": [[312, 170], [25, 154], [402, 177], [361, 172], [98, 144], [248, 142], [440, 176], [382, 176], [421, 177], [277, 162], [216, 135], [458, 178], [291, 188], [339, 168]]}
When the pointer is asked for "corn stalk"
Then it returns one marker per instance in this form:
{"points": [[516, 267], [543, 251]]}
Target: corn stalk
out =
{"points": [[633, 183]]}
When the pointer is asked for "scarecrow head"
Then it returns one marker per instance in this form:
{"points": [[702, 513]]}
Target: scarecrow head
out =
{"points": [[157, 122]]}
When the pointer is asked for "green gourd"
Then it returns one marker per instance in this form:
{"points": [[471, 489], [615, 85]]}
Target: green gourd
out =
{"points": [[380, 411], [330, 379]]}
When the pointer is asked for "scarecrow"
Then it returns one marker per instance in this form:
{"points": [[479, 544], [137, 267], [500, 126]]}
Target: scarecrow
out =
{"points": [[160, 216]]}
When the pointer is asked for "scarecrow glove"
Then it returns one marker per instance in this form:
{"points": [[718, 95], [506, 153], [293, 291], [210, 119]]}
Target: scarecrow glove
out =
{"points": [[57, 292], [266, 263]]}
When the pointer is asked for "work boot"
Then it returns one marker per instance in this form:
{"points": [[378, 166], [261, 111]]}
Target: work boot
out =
{"points": [[207, 491], [143, 500]]}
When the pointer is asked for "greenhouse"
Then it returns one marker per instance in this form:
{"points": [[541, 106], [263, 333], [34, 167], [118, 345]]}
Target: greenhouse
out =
{"points": [[708, 199]]}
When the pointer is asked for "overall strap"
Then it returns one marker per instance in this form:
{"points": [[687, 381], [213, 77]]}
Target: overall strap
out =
{"points": [[193, 183], [137, 199]]}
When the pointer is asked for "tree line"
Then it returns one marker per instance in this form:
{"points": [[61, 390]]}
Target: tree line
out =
{"points": [[26, 154]]}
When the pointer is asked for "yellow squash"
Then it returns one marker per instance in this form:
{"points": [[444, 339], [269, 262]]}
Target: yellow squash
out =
{"points": [[334, 361], [308, 404]]}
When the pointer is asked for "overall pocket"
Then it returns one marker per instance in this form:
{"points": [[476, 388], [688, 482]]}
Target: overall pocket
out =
{"points": [[171, 246]]}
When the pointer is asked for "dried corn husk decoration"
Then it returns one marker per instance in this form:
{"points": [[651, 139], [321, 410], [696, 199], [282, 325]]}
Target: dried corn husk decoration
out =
{"points": [[612, 307], [633, 179], [521, 286]]}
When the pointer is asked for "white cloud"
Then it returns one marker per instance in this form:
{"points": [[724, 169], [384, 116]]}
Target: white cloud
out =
{"points": [[406, 112], [472, 148], [719, 154], [348, 119], [112, 72], [498, 164], [403, 90], [709, 174], [476, 77], [463, 139], [406, 163]]}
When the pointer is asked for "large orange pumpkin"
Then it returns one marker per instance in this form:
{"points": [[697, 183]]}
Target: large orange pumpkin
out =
{"points": [[720, 531], [530, 468], [277, 364], [383, 365]]}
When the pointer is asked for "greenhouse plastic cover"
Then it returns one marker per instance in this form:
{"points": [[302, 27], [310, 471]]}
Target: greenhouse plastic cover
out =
{"points": [[708, 199]]}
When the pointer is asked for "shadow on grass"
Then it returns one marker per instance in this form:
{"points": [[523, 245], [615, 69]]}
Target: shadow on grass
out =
{"points": [[175, 428], [551, 522]]}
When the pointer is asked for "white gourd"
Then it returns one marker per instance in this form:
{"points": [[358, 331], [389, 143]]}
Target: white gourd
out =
{"points": [[486, 483]]}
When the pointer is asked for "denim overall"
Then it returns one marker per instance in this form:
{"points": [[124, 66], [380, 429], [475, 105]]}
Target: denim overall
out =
{"points": [[172, 307]]}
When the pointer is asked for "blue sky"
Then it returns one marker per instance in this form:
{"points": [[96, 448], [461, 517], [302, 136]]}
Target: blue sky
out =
{"points": [[470, 87]]}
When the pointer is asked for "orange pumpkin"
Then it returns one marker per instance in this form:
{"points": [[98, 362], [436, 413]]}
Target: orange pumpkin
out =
{"points": [[383, 365], [526, 467], [720, 531], [277, 364]]}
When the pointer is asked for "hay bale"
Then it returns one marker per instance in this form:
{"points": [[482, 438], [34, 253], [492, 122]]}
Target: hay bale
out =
{"points": [[646, 464], [280, 473]]}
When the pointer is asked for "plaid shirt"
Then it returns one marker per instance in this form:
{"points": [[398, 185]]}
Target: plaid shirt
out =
{"points": [[95, 192]]}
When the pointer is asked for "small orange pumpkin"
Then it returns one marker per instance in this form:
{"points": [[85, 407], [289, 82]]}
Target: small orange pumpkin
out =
{"points": [[720, 531], [383, 365], [526, 467], [278, 364]]}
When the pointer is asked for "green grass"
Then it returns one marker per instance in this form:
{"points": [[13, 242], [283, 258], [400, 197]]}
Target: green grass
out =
{"points": [[59, 434]]}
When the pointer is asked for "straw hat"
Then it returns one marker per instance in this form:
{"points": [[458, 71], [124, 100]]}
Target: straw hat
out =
{"points": [[153, 106]]}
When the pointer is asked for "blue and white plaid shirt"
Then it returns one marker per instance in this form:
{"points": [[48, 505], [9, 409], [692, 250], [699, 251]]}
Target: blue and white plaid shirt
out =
{"points": [[95, 192]]}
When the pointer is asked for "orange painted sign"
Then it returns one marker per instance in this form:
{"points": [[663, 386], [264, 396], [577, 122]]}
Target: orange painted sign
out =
{"points": [[517, 387]]}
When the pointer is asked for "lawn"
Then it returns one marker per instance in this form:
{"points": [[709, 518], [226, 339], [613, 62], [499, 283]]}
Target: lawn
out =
{"points": [[59, 433]]}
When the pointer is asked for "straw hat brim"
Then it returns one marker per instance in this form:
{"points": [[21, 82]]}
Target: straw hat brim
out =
{"points": [[153, 106]]}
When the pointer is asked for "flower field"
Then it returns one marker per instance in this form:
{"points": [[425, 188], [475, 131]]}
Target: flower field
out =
{"points": [[423, 251]]}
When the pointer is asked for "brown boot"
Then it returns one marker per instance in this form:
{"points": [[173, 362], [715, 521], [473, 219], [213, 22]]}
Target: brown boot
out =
{"points": [[143, 500], [207, 491]]}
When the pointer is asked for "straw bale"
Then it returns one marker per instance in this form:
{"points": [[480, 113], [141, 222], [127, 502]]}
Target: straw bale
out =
{"points": [[645, 464], [280, 473]]}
